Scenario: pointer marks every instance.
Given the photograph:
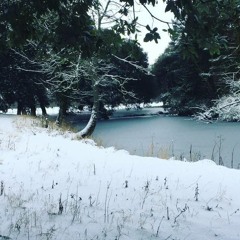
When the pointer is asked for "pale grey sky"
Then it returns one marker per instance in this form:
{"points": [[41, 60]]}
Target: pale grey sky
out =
{"points": [[155, 50]]}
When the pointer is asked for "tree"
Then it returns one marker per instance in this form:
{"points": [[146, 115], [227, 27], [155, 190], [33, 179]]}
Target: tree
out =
{"points": [[32, 30], [58, 60], [132, 61], [227, 107], [181, 85], [56, 33], [21, 86], [206, 39], [221, 30], [84, 78]]}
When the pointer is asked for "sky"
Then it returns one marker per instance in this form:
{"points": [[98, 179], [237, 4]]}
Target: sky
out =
{"points": [[144, 18], [155, 50], [53, 186]]}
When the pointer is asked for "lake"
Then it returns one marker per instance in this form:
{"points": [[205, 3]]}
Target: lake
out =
{"points": [[146, 133]]}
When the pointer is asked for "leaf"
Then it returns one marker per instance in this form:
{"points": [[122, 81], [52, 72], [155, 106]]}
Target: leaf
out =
{"points": [[148, 28], [155, 29], [171, 31], [124, 11], [131, 2], [152, 2], [156, 36], [148, 37], [135, 20], [196, 17], [179, 4], [169, 6]]}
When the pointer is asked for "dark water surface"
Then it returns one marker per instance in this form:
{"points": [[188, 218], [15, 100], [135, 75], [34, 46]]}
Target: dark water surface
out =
{"points": [[167, 136]]}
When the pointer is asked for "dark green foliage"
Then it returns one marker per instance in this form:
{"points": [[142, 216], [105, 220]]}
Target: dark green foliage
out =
{"points": [[21, 87], [209, 25], [22, 20], [181, 86], [143, 85], [108, 42], [40, 45], [203, 54], [30, 31]]}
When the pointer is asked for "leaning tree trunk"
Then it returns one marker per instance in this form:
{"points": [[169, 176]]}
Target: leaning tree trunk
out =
{"points": [[89, 129]]}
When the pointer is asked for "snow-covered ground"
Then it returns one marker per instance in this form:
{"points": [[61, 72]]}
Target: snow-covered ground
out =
{"points": [[56, 187]]}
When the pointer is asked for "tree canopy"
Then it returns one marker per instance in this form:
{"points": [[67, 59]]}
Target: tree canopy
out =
{"points": [[44, 46], [203, 56], [47, 48]]}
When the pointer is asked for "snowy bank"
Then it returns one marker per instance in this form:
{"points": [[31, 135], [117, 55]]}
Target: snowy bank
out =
{"points": [[56, 187]]}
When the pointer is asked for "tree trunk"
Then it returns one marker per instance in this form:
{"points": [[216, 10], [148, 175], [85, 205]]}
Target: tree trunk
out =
{"points": [[60, 116], [90, 127], [24, 111], [19, 108], [33, 111], [43, 102], [44, 111], [63, 105]]}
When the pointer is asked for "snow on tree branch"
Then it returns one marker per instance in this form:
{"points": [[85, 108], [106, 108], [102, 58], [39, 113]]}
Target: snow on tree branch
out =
{"points": [[134, 64], [226, 108]]}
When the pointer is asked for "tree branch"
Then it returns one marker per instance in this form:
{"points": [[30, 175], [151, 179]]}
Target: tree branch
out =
{"points": [[134, 64], [153, 16]]}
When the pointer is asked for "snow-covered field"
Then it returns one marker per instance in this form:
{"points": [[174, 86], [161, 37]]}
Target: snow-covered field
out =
{"points": [[56, 187]]}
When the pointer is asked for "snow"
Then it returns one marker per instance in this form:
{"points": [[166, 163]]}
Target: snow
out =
{"points": [[54, 186]]}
